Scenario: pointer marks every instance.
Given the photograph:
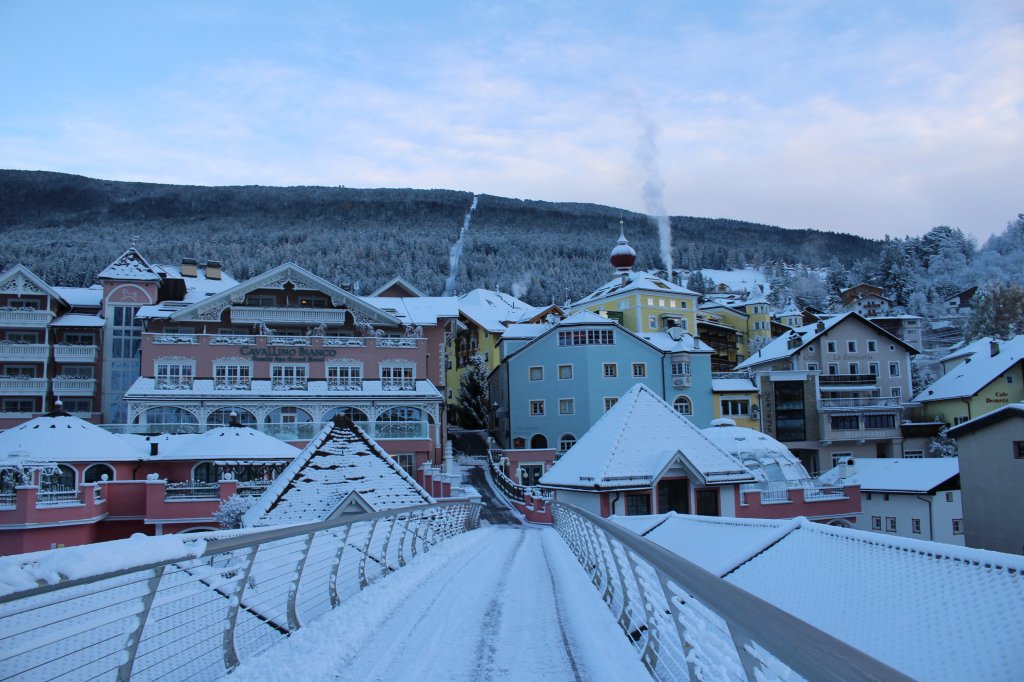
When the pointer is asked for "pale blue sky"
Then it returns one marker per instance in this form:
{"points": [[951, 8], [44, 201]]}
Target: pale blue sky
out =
{"points": [[872, 117]]}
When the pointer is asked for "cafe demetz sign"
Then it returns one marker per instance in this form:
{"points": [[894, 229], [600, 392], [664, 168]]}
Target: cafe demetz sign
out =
{"points": [[288, 353]]}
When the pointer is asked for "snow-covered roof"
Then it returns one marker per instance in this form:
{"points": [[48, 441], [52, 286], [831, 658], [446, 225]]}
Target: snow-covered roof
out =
{"points": [[198, 287], [231, 443], [525, 330], [975, 373], [65, 438], [676, 342], [401, 283], [634, 442], [766, 458], [738, 280], [145, 387], [493, 310], [19, 280], [130, 265], [1011, 411], [341, 461], [82, 297], [899, 475], [933, 611], [166, 442], [732, 386], [633, 281], [78, 320], [421, 310], [982, 344]]}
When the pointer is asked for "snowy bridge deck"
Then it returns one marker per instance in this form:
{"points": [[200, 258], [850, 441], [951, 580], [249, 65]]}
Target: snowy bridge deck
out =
{"points": [[406, 594]]}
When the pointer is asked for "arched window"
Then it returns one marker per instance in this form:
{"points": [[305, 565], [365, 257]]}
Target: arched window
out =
{"points": [[62, 479], [538, 442], [402, 414], [205, 472], [683, 405], [354, 413], [222, 417], [566, 441], [95, 473], [168, 415], [288, 415]]}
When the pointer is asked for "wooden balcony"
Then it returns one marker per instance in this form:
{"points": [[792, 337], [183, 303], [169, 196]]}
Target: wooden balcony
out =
{"points": [[69, 353], [25, 317], [312, 316], [73, 386], [18, 386], [24, 352]]}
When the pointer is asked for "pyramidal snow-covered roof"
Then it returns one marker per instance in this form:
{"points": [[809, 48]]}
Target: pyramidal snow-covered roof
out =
{"points": [[890, 597], [635, 442], [633, 281], [60, 437], [233, 443], [339, 467], [129, 265]]}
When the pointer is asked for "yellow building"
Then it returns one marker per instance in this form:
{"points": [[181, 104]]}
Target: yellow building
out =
{"points": [[639, 301], [991, 377], [747, 313], [737, 399]]}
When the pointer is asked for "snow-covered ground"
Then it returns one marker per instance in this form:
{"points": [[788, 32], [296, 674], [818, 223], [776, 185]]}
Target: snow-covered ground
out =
{"points": [[500, 603]]}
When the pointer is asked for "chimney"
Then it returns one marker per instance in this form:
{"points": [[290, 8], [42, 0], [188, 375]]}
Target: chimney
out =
{"points": [[188, 267], [993, 348], [154, 448], [213, 269]]}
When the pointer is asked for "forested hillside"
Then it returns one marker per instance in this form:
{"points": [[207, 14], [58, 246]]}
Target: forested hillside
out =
{"points": [[67, 228]]}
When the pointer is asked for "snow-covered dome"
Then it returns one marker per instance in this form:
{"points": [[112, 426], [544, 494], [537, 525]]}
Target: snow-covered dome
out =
{"points": [[623, 255], [60, 437], [232, 443], [766, 458]]}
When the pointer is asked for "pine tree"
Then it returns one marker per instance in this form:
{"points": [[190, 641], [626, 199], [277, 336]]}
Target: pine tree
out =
{"points": [[942, 445], [474, 399]]}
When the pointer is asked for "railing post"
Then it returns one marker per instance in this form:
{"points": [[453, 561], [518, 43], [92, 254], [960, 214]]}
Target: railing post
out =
{"points": [[649, 655], [676, 614], [230, 653], [384, 568], [401, 541], [363, 582], [747, 660], [332, 584], [124, 672], [293, 589]]}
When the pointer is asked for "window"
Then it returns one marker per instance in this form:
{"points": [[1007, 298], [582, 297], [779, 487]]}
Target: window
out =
{"points": [[680, 368], [23, 371], [232, 375], [959, 420], [96, 473], [408, 462], [873, 369], [879, 421], [854, 368], [707, 502], [24, 405], [885, 497], [876, 523], [915, 526], [652, 322], [22, 337], [1009, 378], [566, 406], [845, 422], [872, 346], [76, 371], [566, 441], [913, 454], [536, 408], [77, 405], [342, 377], [637, 505], [867, 496], [958, 526], [735, 408], [890, 524], [896, 392], [126, 333], [174, 374], [851, 346], [587, 337], [258, 301], [538, 442], [394, 377], [894, 369], [610, 370], [830, 346], [949, 497], [639, 369], [833, 369], [565, 371], [536, 374], [609, 403], [683, 405], [288, 376], [812, 367], [1018, 449]]}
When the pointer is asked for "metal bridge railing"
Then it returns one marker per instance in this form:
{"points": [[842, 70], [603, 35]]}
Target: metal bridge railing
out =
{"points": [[198, 616], [689, 624]]}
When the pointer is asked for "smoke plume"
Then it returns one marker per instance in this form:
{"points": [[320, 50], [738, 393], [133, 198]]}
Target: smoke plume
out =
{"points": [[653, 188], [522, 284]]}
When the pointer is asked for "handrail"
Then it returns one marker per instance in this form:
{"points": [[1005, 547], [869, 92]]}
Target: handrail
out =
{"points": [[685, 620], [201, 608]]}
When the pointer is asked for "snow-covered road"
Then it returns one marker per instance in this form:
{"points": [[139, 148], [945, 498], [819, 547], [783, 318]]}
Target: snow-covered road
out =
{"points": [[498, 603]]}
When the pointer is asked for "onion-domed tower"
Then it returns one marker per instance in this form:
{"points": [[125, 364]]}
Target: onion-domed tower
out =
{"points": [[623, 255]]}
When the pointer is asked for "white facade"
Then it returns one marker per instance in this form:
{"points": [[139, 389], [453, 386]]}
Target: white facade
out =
{"points": [[921, 516]]}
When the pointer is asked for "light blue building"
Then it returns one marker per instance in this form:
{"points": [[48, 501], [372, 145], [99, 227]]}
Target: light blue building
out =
{"points": [[556, 380]]}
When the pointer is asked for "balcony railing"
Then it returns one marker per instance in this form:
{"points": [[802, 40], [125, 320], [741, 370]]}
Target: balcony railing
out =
{"points": [[297, 431], [67, 386], [183, 383], [853, 403], [24, 352], [344, 384], [398, 384], [191, 490], [289, 384], [175, 339], [22, 386], [288, 340], [58, 497], [848, 379], [24, 317], [70, 353], [392, 342], [344, 342], [236, 384], [252, 488], [255, 315], [8, 500], [232, 340]]}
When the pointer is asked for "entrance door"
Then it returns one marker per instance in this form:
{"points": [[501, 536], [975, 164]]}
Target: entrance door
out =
{"points": [[529, 474], [674, 495]]}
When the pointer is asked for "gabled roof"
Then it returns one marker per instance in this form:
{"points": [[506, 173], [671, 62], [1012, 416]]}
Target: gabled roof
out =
{"points": [[634, 443], [64, 438], [981, 345], [975, 373], [20, 280], [779, 348], [878, 593], [494, 310], [633, 281], [82, 297], [400, 283], [318, 484], [899, 475], [421, 310], [130, 265], [1012, 411], [300, 278]]}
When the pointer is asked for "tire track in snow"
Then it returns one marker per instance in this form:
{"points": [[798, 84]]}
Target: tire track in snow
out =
{"points": [[486, 644], [558, 615]]}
